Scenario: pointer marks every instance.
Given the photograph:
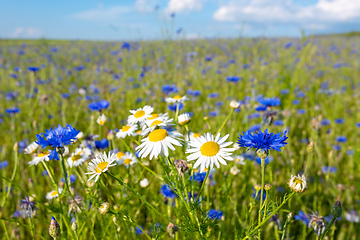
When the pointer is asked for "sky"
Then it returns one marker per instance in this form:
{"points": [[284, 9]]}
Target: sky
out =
{"points": [[183, 19]]}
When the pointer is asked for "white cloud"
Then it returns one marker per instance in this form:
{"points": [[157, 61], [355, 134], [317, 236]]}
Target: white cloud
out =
{"points": [[102, 13], [175, 6], [26, 32], [145, 6], [317, 16]]}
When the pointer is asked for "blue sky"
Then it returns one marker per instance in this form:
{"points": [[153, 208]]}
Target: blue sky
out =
{"points": [[138, 19]]}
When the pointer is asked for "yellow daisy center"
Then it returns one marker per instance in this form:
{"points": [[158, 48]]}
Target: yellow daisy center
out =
{"points": [[177, 97], [43, 154], [157, 135], [138, 131], [125, 128], [209, 149], [139, 114], [127, 161], [196, 135], [76, 157], [153, 116], [101, 122], [53, 193], [101, 166], [120, 155], [156, 122], [298, 181]]}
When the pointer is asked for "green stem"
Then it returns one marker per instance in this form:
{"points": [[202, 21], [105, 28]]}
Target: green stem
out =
{"points": [[138, 195], [12, 176], [272, 214], [202, 185], [226, 119], [328, 227], [262, 192], [67, 183], [31, 227], [177, 111], [285, 228], [50, 175]]}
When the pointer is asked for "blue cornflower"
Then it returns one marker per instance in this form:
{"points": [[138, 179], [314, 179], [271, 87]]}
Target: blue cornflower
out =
{"points": [[258, 195], [269, 102], [233, 79], [357, 125], [262, 140], [174, 106], [33, 69], [98, 106], [295, 102], [126, 45], [200, 177], [339, 121], [301, 111], [167, 191], [260, 108], [213, 95], [325, 122], [57, 137], [16, 214], [213, 114], [12, 110], [168, 89], [255, 128], [288, 45], [104, 143], [284, 91], [139, 230], [278, 123], [215, 214], [302, 217], [336, 147], [341, 139], [28, 207], [326, 169]]}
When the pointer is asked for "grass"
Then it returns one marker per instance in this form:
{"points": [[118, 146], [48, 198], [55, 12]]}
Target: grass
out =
{"points": [[304, 67]]}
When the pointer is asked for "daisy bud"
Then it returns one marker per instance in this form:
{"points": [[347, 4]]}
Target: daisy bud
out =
{"points": [[234, 104], [54, 229], [310, 147], [74, 226], [297, 183], [267, 187], [172, 229], [184, 119], [336, 209], [104, 208], [110, 135], [144, 183], [289, 216], [181, 166]]}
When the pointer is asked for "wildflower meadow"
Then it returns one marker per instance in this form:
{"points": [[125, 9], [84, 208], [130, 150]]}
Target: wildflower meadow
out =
{"points": [[246, 138]]}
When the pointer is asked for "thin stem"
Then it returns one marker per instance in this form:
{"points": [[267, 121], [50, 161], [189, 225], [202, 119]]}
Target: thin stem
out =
{"points": [[285, 228], [262, 192], [139, 196], [203, 184], [31, 227], [328, 227], [177, 111], [226, 119], [50, 175], [12, 176], [272, 214]]}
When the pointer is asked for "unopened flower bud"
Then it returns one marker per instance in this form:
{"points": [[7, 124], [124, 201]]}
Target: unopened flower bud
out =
{"points": [[184, 119], [101, 120], [234, 104], [257, 187], [110, 135], [262, 154], [104, 208], [54, 229], [289, 216], [60, 150], [172, 229], [310, 147], [16, 147], [181, 166], [267, 187], [336, 209], [144, 183], [74, 226]]}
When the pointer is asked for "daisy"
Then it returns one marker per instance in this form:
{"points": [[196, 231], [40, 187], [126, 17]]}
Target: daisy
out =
{"points": [[176, 99], [101, 119], [157, 115], [120, 155], [239, 159], [184, 118], [127, 130], [297, 183], [40, 157], [158, 141], [31, 148], [193, 136], [209, 151], [80, 156], [100, 164], [140, 115], [127, 159], [150, 125], [53, 194]]}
